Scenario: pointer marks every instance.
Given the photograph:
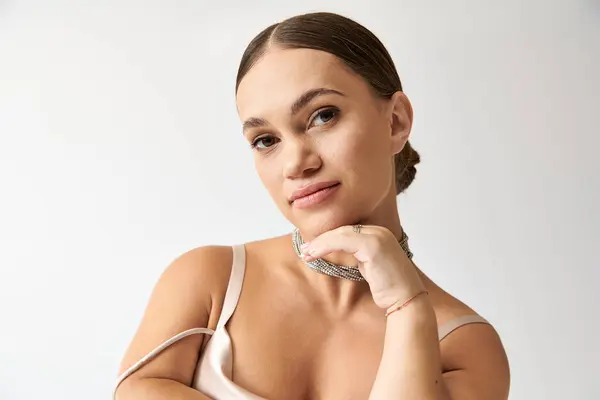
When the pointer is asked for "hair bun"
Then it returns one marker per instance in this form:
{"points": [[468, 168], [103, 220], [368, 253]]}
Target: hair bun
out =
{"points": [[405, 163]]}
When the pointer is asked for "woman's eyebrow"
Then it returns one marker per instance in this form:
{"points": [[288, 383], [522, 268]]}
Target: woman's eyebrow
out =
{"points": [[302, 101], [309, 95]]}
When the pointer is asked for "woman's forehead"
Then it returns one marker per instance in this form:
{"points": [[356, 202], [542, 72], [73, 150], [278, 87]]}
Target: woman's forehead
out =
{"points": [[282, 75]]}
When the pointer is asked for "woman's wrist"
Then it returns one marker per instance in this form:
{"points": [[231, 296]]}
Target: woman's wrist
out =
{"points": [[401, 304], [418, 310]]}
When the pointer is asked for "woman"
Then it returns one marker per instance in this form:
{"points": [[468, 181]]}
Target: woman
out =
{"points": [[335, 310]]}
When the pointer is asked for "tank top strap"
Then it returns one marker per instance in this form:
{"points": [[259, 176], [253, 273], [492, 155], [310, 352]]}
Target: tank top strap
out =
{"points": [[234, 288], [450, 326]]}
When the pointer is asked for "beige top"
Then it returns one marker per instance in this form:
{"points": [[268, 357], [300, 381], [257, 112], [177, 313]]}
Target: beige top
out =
{"points": [[214, 370]]}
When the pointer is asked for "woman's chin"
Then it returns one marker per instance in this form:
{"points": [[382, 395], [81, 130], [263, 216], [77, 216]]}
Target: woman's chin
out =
{"points": [[319, 223]]}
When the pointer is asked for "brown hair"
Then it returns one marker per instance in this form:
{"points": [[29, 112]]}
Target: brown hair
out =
{"points": [[352, 43]]}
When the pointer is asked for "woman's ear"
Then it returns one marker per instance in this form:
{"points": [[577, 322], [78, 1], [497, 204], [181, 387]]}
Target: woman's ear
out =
{"points": [[401, 118]]}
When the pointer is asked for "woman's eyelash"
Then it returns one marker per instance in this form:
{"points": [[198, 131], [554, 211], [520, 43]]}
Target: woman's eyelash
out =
{"points": [[334, 111], [254, 144]]}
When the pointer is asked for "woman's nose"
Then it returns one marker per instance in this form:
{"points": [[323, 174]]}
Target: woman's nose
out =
{"points": [[300, 159]]}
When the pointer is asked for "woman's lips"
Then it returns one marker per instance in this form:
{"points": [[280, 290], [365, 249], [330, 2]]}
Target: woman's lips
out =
{"points": [[315, 197]]}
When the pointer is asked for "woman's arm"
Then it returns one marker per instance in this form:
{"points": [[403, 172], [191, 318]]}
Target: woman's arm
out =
{"points": [[157, 389], [411, 368], [181, 300]]}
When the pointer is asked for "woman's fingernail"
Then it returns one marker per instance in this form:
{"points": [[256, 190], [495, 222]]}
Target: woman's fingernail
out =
{"points": [[304, 245]]}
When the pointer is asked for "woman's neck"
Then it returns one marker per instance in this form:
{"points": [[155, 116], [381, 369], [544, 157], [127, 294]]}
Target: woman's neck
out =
{"points": [[385, 215]]}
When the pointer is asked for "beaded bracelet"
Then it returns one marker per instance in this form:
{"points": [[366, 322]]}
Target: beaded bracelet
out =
{"points": [[400, 307]]}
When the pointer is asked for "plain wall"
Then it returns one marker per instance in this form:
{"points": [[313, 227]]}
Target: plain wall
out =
{"points": [[120, 148]]}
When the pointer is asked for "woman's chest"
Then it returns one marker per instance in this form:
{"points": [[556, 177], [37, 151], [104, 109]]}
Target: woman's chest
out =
{"points": [[300, 355]]}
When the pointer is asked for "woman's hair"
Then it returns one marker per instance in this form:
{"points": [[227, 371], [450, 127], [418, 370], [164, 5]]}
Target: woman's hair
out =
{"points": [[352, 43]]}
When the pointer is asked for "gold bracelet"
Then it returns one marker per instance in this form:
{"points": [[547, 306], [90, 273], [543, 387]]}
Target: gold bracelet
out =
{"points": [[400, 307]]}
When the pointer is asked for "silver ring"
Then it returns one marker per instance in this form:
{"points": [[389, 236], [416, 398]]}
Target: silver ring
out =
{"points": [[357, 228]]}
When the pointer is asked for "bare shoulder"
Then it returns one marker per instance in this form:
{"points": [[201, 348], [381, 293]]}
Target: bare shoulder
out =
{"points": [[204, 270], [198, 276], [473, 357], [183, 298]]}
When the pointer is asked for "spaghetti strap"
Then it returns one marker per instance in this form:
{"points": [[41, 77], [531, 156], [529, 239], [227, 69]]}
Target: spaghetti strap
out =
{"points": [[234, 288], [150, 356], [456, 323], [232, 296]]}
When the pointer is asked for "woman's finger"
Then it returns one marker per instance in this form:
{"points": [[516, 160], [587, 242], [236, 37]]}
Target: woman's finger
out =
{"points": [[342, 239]]}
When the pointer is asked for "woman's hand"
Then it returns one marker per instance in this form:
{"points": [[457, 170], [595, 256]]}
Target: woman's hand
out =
{"points": [[391, 275]]}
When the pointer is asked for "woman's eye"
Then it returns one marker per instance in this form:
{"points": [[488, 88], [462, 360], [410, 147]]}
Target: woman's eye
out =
{"points": [[324, 116], [263, 142]]}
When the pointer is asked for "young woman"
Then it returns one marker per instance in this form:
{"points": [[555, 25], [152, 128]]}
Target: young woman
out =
{"points": [[336, 309]]}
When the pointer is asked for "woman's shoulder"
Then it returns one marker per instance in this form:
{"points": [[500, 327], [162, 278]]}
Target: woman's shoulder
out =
{"points": [[182, 299], [205, 265], [208, 267], [202, 271], [453, 313], [448, 307], [471, 343], [201, 276]]}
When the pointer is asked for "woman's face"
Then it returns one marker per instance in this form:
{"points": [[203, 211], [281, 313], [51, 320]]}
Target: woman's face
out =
{"points": [[311, 120]]}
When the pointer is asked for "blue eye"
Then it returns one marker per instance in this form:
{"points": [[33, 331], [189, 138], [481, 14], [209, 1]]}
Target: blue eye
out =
{"points": [[325, 116]]}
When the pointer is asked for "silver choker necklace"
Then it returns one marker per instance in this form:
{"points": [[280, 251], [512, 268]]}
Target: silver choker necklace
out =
{"points": [[339, 271]]}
